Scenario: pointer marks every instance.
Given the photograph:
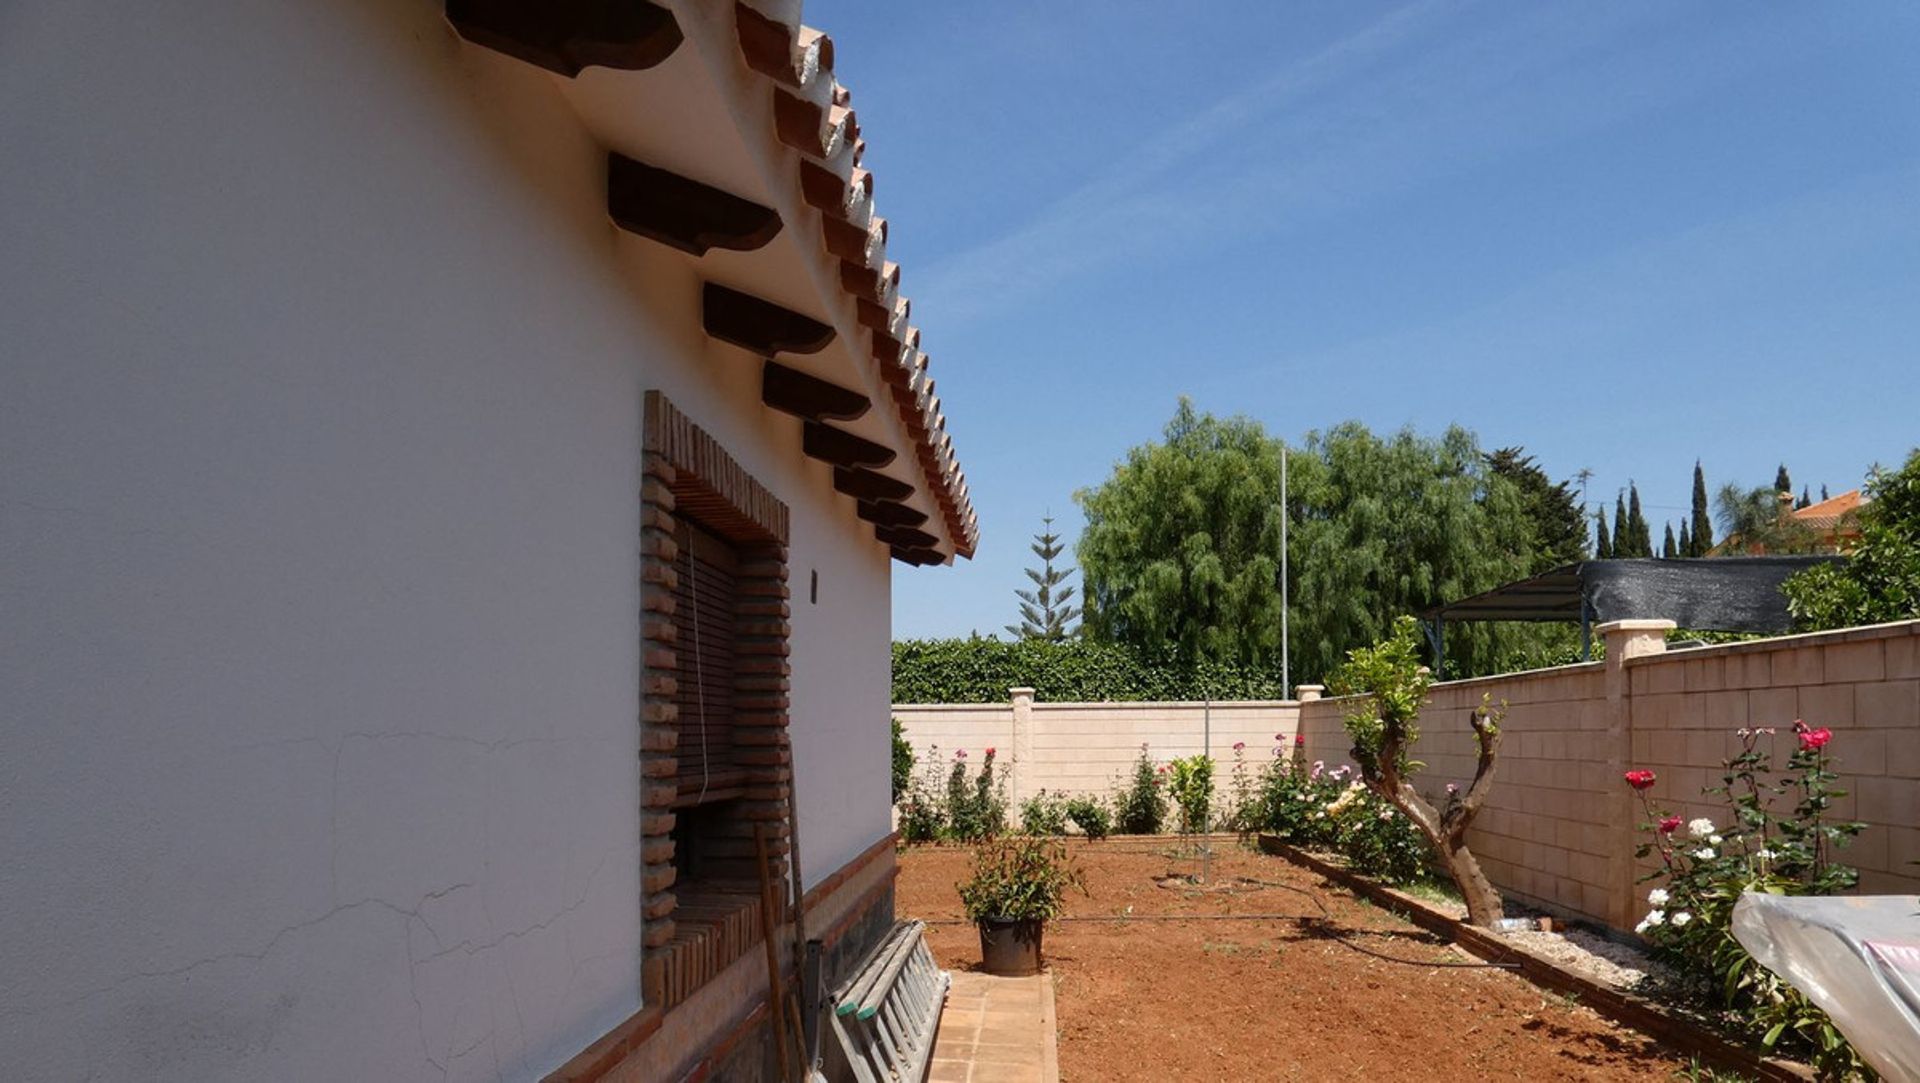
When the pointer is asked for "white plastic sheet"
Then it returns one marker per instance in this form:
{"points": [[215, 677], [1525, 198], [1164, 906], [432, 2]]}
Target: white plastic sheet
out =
{"points": [[1857, 957]]}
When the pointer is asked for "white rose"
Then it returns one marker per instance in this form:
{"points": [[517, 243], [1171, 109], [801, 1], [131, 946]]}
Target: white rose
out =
{"points": [[1704, 853], [1713, 840], [1654, 917], [1681, 918], [1700, 828], [1658, 896], [1766, 855]]}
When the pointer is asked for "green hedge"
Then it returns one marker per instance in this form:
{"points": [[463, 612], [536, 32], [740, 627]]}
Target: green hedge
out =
{"points": [[1074, 670]]}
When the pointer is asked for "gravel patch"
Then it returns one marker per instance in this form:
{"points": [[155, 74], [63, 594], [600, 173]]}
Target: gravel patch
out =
{"points": [[1610, 962]]}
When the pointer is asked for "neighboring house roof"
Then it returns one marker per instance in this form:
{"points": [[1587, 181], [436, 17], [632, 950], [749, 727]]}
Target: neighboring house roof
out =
{"points": [[1827, 514]]}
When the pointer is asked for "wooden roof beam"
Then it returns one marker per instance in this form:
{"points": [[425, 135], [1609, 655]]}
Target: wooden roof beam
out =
{"points": [[683, 213], [564, 36], [809, 397], [758, 326], [867, 485], [842, 448]]}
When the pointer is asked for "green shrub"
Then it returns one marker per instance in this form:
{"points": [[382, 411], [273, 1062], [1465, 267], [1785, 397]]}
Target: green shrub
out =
{"points": [[1091, 816], [976, 804], [1191, 786], [1075, 670], [902, 762], [1377, 839], [1292, 801], [1881, 579], [921, 817], [1140, 806], [1044, 814]]}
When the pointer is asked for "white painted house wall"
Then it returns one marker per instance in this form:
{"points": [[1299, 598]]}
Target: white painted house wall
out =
{"points": [[318, 565]]}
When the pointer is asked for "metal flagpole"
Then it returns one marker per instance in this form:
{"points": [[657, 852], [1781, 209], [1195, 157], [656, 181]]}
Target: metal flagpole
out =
{"points": [[1286, 681]]}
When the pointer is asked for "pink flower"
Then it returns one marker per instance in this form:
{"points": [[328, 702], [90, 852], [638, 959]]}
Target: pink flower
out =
{"points": [[1239, 746], [1453, 789], [1279, 736], [1318, 766], [1669, 825], [959, 753], [1813, 740], [1639, 780]]}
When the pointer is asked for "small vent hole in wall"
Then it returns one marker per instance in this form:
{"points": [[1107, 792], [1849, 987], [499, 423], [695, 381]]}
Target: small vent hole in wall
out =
{"points": [[813, 587]]}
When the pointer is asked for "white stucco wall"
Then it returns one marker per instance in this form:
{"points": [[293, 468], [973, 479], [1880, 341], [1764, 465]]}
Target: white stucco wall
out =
{"points": [[318, 605]]}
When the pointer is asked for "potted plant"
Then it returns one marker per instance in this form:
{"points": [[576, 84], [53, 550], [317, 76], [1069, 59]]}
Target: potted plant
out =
{"points": [[1017, 885]]}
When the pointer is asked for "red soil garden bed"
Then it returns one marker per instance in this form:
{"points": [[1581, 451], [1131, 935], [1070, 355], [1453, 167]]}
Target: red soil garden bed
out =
{"points": [[1318, 985]]}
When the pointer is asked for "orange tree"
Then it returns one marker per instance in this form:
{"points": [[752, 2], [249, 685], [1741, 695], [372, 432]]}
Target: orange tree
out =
{"points": [[1384, 727]]}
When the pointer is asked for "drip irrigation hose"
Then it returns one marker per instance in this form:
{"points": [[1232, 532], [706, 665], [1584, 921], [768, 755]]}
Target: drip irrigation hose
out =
{"points": [[1323, 925]]}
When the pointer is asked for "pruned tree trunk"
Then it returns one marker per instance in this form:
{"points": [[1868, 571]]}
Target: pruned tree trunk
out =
{"points": [[1445, 831]]}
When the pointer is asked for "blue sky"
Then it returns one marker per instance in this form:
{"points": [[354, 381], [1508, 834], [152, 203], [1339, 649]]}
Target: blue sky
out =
{"points": [[1622, 236]]}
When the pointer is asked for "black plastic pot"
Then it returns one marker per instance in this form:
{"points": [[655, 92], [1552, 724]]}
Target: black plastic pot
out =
{"points": [[1011, 949]]}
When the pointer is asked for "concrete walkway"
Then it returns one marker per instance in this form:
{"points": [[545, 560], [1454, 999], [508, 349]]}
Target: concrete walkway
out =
{"points": [[996, 1030]]}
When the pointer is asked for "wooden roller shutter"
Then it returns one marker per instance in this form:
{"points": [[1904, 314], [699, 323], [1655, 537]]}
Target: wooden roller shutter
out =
{"points": [[704, 621]]}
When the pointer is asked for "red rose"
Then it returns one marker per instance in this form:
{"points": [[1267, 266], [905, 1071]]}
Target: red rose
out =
{"points": [[1639, 780], [989, 750], [1669, 825], [1299, 738], [1810, 740]]}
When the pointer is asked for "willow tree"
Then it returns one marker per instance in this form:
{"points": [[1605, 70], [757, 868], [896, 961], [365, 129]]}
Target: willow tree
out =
{"points": [[1181, 552], [1384, 725]]}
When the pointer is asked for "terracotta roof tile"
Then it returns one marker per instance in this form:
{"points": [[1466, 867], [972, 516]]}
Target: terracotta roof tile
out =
{"points": [[814, 116]]}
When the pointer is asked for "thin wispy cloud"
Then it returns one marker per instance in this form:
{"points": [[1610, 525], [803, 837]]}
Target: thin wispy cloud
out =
{"points": [[1375, 113]]}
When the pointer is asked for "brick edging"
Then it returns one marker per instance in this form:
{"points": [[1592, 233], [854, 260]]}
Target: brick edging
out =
{"points": [[1637, 1012]]}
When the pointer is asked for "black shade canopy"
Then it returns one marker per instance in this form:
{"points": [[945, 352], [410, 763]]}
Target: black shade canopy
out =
{"points": [[1721, 594]]}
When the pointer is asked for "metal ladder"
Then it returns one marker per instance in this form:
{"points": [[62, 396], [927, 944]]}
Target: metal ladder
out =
{"points": [[884, 1017]]}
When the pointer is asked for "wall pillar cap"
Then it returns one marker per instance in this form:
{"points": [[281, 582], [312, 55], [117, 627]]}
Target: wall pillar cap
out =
{"points": [[1635, 625], [1027, 692], [1306, 693]]}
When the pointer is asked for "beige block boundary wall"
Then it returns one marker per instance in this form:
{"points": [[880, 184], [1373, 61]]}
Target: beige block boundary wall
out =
{"points": [[1086, 747], [1560, 827]]}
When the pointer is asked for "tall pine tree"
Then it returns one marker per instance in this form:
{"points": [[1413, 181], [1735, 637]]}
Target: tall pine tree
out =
{"points": [[1686, 540], [1044, 612], [1667, 548], [1622, 527], [1782, 483], [1806, 498], [1701, 536], [1602, 544]]}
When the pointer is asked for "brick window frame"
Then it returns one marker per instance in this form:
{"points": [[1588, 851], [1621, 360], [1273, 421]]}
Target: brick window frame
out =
{"points": [[686, 474]]}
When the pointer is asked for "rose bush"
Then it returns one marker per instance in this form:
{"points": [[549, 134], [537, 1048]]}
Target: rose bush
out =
{"points": [[1705, 865]]}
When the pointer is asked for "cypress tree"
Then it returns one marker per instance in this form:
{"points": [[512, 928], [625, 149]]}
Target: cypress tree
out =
{"points": [[1782, 483], [1702, 534], [1642, 535], [1823, 492], [1806, 498], [1602, 545], [1622, 527], [1667, 549], [1686, 540]]}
